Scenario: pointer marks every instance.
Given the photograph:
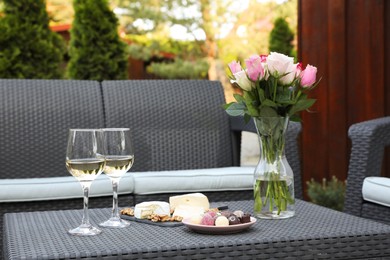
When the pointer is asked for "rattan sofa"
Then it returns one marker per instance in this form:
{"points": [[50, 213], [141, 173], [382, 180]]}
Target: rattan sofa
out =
{"points": [[182, 140], [369, 139]]}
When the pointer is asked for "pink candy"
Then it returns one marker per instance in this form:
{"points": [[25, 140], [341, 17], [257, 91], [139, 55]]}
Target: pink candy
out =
{"points": [[208, 219]]}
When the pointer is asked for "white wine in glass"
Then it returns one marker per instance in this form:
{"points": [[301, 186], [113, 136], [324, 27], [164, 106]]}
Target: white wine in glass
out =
{"points": [[85, 161], [119, 159]]}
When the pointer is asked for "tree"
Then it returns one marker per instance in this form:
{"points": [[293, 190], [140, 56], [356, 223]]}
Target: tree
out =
{"points": [[281, 38], [28, 48], [96, 51]]}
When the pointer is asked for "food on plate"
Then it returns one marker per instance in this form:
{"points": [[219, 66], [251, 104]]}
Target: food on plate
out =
{"points": [[246, 218], [233, 220], [197, 219], [194, 207], [221, 221], [127, 211], [187, 211], [191, 199], [146, 209], [238, 213], [208, 219], [222, 218]]}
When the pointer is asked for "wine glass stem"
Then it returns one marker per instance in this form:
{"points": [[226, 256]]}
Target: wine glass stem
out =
{"points": [[85, 220], [115, 210]]}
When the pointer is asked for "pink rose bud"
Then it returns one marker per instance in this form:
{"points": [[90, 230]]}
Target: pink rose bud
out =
{"points": [[254, 67], [263, 57], [298, 69], [308, 76], [234, 67]]}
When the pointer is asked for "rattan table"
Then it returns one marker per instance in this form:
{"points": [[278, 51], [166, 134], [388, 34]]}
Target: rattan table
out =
{"points": [[314, 233]]}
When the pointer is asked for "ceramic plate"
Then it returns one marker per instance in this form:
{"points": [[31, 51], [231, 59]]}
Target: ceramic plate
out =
{"points": [[213, 230]]}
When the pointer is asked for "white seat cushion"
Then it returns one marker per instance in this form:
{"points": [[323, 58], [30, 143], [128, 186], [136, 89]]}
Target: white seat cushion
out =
{"points": [[215, 179], [53, 188], [377, 190]]}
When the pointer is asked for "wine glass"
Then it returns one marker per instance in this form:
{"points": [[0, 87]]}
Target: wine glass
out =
{"points": [[85, 161], [119, 159]]}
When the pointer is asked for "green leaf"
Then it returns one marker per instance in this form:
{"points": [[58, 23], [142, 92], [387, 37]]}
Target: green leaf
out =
{"points": [[247, 118], [236, 109], [226, 106], [301, 105], [261, 94], [284, 96], [238, 97], [295, 118], [268, 103], [268, 112]]}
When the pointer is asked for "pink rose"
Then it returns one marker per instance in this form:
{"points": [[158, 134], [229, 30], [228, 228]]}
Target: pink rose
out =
{"points": [[254, 67], [308, 76], [234, 67]]}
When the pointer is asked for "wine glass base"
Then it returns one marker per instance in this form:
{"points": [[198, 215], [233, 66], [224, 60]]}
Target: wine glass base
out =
{"points": [[85, 230], [115, 223]]}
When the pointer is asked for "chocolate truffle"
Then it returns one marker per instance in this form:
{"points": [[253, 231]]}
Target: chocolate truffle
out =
{"points": [[226, 213], [238, 213], [233, 220], [246, 218]]}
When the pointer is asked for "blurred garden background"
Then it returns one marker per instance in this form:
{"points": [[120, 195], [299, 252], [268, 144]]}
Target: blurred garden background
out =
{"points": [[182, 39]]}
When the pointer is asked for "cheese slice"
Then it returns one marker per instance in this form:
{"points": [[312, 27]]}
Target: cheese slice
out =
{"points": [[145, 209], [187, 211], [192, 199]]}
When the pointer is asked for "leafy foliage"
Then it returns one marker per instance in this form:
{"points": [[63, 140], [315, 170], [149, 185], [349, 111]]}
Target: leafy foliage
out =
{"points": [[96, 51], [328, 193], [180, 69], [28, 48], [281, 37]]}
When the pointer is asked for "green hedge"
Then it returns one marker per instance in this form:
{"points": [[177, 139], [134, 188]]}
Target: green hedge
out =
{"points": [[96, 51], [28, 48]]}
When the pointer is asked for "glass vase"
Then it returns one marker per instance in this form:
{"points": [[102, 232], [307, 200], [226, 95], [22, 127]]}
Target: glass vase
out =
{"points": [[273, 177]]}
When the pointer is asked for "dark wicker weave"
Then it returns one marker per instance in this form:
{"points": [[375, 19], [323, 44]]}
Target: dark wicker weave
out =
{"points": [[369, 139], [35, 116], [176, 124], [314, 233]]}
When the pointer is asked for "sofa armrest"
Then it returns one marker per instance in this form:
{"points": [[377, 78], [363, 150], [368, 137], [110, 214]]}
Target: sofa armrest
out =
{"points": [[369, 139]]}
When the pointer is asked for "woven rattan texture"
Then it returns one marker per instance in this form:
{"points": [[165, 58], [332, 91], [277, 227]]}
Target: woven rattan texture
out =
{"points": [[368, 141], [176, 124], [314, 233], [291, 148], [30, 206], [35, 116]]}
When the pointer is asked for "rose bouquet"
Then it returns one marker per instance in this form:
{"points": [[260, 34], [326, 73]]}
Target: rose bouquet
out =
{"points": [[274, 91], [272, 86]]}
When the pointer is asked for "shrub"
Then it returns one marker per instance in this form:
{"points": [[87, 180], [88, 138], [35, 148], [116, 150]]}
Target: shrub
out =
{"points": [[328, 193], [28, 48], [180, 69], [281, 38], [96, 51]]}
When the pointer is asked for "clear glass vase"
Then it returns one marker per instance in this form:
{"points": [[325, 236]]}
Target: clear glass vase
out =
{"points": [[273, 177]]}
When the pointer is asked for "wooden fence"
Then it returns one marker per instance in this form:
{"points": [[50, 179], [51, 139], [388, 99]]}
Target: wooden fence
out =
{"points": [[349, 42]]}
